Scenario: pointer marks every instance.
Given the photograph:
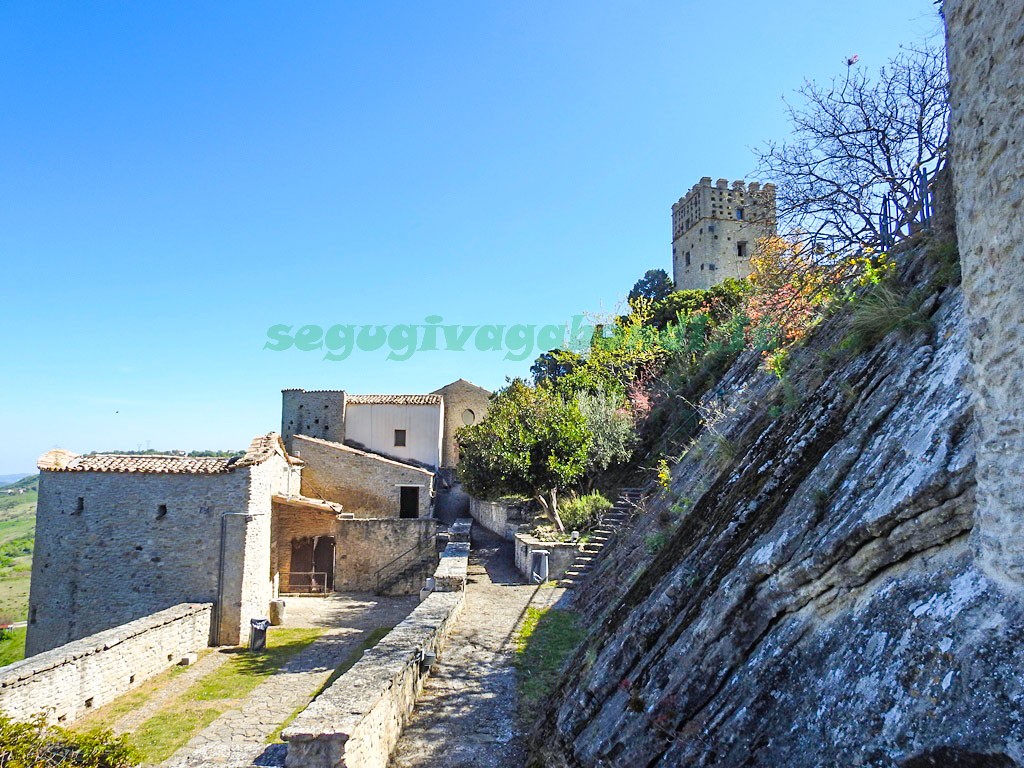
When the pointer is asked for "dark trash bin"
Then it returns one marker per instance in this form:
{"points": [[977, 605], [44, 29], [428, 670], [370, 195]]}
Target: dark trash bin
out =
{"points": [[258, 634]]}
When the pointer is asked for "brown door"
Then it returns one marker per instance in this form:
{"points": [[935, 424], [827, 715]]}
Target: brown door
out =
{"points": [[302, 564], [323, 560], [409, 502]]}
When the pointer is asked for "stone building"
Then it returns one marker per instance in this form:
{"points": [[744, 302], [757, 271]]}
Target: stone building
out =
{"points": [[122, 537], [464, 405], [342, 502], [715, 230]]}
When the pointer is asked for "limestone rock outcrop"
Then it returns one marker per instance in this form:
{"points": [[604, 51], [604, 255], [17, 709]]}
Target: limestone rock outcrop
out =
{"points": [[815, 599]]}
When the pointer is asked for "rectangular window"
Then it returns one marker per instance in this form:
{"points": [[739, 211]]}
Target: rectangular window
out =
{"points": [[741, 249], [399, 438], [739, 214], [79, 506], [687, 259]]}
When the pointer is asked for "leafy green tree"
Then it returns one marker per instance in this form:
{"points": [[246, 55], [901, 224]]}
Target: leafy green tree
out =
{"points": [[612, 431], [555, 364], [532, 442], [655, 285]]}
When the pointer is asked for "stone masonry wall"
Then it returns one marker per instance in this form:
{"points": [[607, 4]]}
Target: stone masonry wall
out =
{"points": [[117, 560], [364, 546], [365, 484], [361, 546], [459, 397], [66, 682], [706, 231], [495, 516], [320, 413], [986, 63]]}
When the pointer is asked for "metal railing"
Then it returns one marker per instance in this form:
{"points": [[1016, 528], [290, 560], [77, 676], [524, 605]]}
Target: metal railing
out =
{"points": [[303, 583], [398, 564]]}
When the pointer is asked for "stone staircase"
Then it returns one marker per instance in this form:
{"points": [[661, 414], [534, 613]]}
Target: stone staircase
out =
{"points": [[612, 520]]}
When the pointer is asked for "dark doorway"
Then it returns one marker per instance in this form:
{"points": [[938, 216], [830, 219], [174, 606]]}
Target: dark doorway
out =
{"points": [[312, 567], [409, 501]]}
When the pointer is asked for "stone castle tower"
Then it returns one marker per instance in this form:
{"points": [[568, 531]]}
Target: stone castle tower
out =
{"points": [[715, 230]]}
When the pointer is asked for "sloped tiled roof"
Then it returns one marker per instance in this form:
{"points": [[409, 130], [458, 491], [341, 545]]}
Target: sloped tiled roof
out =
{"points": [[261, 449], [394, 399]]}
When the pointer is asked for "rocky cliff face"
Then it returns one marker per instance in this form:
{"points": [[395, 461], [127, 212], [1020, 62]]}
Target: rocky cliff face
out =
{"points": [[813, 599]]}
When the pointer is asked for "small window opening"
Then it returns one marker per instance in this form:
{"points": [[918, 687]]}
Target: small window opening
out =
{"points": [[399, 438], [32, 615], [131, 680], [161, 512], [80, 505], [739, 214], [88, 703], [741, 249]]}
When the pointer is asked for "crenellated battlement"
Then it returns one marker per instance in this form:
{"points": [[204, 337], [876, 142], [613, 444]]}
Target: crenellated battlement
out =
{"points": [[715, 227]]}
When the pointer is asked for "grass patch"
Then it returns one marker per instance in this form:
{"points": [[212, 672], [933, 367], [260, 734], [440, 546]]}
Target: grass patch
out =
{"points": [[170, 729], [544, 641], [218, 692], [107, 716], [236, 678], [371, 640], [12, 649]]}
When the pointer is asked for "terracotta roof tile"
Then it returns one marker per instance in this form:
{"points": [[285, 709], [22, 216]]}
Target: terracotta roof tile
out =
{"points": [[394, 399], [261, 449]]}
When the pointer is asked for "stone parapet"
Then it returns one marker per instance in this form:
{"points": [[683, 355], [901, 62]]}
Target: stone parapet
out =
{"points": [[66, 682], [358, 720]]}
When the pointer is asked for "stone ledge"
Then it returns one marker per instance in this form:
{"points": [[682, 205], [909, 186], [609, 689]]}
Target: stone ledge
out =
{"points": [[450, 575], [561, 554], [358, 720]]}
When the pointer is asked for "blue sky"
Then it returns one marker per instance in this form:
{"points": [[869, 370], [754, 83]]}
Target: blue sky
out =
{"points": [[175, 178]]}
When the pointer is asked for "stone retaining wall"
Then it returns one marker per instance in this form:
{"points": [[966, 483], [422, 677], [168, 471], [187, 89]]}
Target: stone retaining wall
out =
{"points": [[561, 555], [67, 681], [495, 516], [358, 720]]}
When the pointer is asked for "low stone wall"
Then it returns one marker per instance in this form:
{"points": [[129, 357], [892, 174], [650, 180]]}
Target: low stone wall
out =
{"points": [[450, 575], [561, 555], [67, 681], [357, 721], [497, 517]]}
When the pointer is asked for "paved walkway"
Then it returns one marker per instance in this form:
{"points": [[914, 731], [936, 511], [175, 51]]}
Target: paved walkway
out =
{"points": [[239, 738], [467, 715]]}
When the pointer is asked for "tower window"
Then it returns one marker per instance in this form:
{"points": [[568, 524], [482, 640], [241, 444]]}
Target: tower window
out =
{"points": [[687, 258], [399, 438], [161, 511], [80, 505], [741, 249], [739, 214]]}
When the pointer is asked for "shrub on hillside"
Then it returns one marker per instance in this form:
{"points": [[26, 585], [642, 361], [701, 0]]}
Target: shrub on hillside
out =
{"points": [[32, 744], [583, 512]]}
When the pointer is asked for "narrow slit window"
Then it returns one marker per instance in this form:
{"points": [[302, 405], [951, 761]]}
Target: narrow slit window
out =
{"points": [[399, 438], [161, 512], [80, 505]]}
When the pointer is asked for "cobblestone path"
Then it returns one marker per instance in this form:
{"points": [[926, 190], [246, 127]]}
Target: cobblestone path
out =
{"points": [[238, 738], [466, 717]]}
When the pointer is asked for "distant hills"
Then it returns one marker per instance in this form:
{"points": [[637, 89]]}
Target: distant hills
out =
{"points": [[5, 479]]}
